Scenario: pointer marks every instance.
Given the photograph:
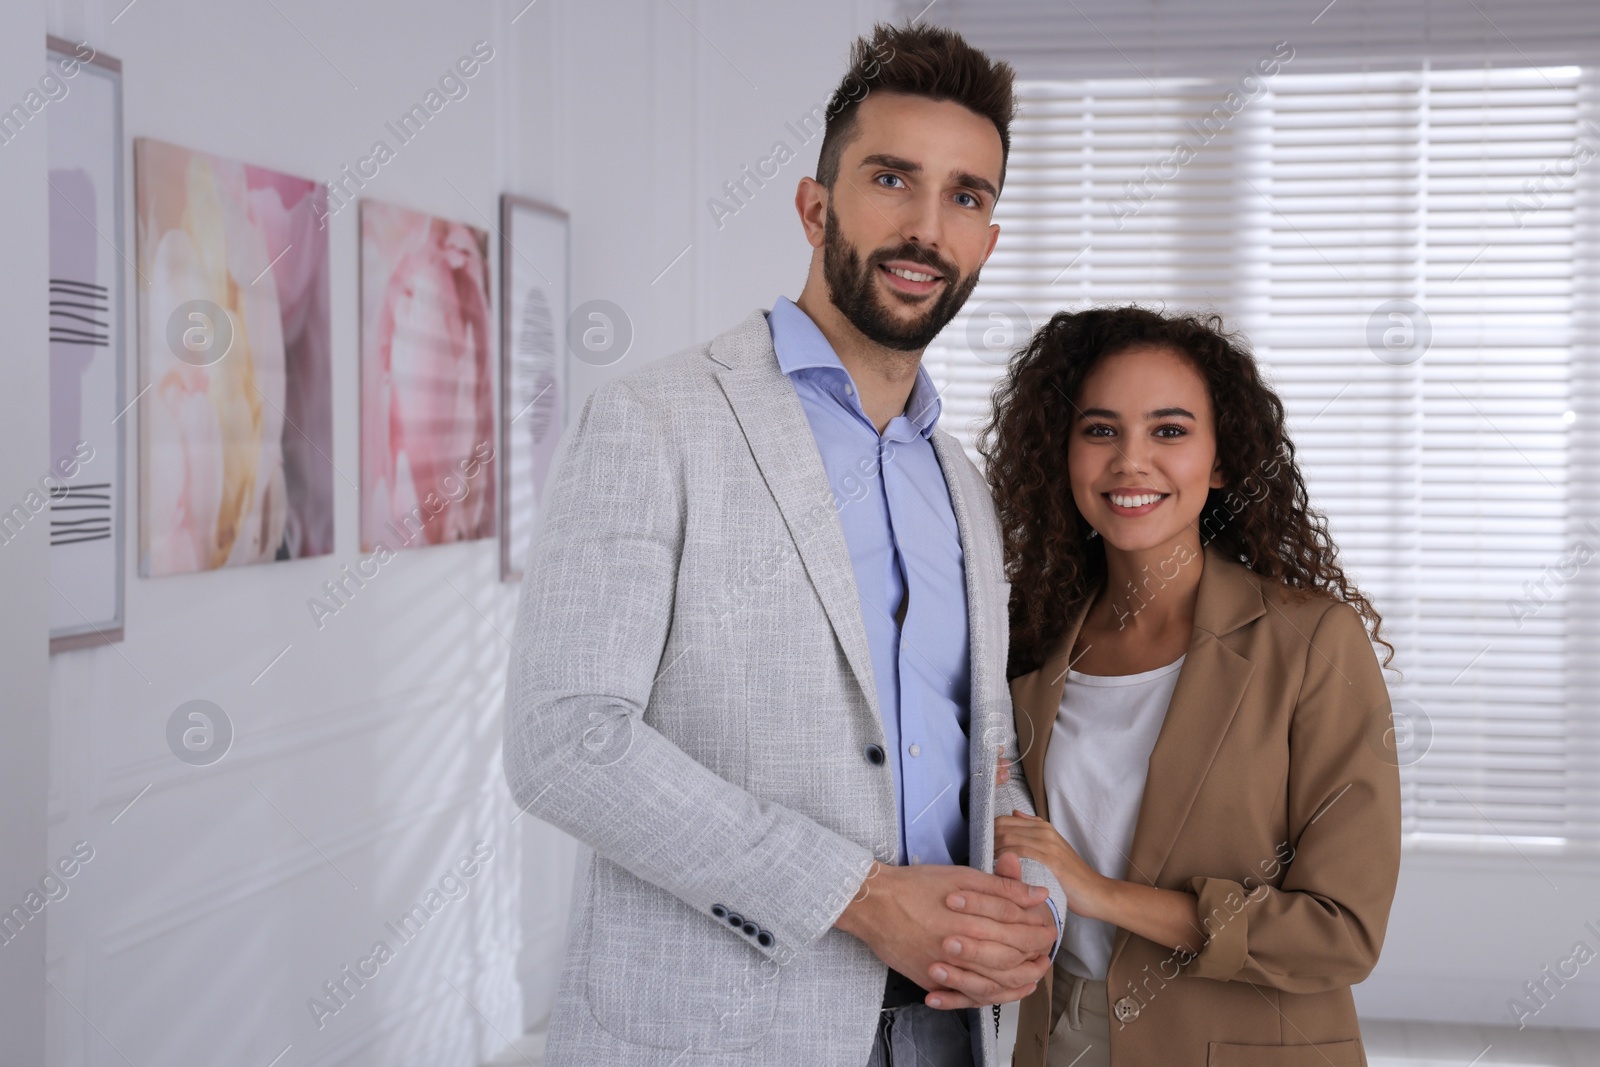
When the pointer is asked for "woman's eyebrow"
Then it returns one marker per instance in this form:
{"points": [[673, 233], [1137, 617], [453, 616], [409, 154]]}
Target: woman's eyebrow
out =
{"points": [[1158, 413]]}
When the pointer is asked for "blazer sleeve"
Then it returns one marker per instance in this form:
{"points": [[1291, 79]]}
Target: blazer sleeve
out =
{"points": [[593, 622], [1323, 926]]}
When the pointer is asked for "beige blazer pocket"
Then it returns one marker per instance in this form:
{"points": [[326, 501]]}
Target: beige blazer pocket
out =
{"points": [[1325, 1054]]}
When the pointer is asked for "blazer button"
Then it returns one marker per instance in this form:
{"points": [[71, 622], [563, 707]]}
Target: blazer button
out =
{"points": [[719, 911], [735, 919], [875, 755], [1127, 1009], [764, 939], [749, 929]]}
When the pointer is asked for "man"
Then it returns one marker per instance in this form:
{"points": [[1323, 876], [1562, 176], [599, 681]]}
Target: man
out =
{"points": [[760, 651]]}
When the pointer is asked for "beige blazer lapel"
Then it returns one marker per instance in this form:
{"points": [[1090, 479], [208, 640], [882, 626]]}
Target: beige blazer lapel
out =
{"points": [[1204, 701]]}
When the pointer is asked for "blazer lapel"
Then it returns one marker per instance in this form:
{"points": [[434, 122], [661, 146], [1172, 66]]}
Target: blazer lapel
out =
{"points": [[980, 553], [1207, 694], [775, 426], [976, 551]]}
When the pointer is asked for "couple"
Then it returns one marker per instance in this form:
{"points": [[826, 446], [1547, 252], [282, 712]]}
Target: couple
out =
{"points": [[801, 678]]}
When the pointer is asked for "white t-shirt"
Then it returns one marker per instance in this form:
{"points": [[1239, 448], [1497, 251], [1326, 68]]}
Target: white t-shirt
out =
{"points": [[1094, 773]]}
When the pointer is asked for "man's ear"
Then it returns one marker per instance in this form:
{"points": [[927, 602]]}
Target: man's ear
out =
{"points": [[811, 204], [994, 235]]}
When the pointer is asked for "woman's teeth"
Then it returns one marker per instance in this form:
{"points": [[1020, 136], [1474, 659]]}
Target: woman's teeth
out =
{"points": [[1135, 501]]}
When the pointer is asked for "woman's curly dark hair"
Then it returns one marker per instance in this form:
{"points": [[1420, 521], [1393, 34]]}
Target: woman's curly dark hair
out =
{"points": [[1262, 517]]}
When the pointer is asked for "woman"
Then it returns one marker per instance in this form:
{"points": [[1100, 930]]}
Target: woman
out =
{"points": [[1203, 722]]}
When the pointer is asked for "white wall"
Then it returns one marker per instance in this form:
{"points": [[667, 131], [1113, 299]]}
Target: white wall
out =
{"points": [[365, 762], [1467, 930], [366, 759], [24, 457]]}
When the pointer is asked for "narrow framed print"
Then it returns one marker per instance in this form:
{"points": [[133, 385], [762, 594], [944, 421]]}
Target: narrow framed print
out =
{"points": [[533, 366], [83, 486]]}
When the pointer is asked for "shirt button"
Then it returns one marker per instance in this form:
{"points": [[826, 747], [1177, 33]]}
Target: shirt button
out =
{"points": [[915, 858], [849, 390], [915, 750]]}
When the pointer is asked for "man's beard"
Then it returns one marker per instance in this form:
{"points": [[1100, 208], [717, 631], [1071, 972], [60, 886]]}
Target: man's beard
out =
{"points": [[853, 290]]}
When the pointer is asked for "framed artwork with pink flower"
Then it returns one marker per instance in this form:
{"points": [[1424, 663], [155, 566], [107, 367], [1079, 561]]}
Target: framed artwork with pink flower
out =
{"points": [[428, 456], [236, 413]]}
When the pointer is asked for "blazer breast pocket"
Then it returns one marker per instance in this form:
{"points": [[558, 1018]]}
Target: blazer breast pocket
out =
{"points": [[659, 973], [1322, 1054]]}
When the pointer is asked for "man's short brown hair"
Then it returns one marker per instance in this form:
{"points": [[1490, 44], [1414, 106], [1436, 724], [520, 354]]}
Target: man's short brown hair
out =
{"points": [[927, 61]]}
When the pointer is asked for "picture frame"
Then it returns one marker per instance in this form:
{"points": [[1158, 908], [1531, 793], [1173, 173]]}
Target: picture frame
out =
{"points": [[87, 348], [535, 287]]}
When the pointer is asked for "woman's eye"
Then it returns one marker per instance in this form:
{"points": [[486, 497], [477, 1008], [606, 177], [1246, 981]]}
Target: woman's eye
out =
{"points": [[1171, 431], [1099, 430]]}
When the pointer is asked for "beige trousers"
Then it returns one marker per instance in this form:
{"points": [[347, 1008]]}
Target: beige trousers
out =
{"points": [[1081, 1033]]}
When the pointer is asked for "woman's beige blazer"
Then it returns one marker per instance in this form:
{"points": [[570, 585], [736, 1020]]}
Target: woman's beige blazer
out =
{"points": [[1274, 794]]}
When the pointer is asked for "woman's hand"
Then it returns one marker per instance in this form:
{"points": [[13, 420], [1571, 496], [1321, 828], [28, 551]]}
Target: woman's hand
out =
{"points": [[1030, 837], [1165, 916]]}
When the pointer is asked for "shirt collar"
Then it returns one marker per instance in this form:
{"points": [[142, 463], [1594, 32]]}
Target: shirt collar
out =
{"points": [[801, 346]]}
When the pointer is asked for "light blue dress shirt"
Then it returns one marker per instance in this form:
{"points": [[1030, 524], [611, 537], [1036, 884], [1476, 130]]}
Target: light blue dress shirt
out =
{"points": [[901, 532]]}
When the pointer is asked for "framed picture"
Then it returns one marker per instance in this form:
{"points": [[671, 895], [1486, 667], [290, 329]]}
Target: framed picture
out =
{"points": [[427, 381], [236, 425], [83, 487], [533, 367]]}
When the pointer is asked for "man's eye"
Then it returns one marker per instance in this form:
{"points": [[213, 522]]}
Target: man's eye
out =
{"points": [[889, 177], [972, 201]]}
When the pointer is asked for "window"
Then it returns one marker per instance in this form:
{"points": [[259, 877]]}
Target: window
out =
{"points": [[1412, 254]]}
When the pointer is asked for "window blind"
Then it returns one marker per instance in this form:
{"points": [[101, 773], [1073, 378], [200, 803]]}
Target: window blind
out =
{"points": [[1411, 252]]}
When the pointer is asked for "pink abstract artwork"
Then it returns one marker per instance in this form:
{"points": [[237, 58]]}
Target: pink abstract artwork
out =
{"points": [[236, 425], [427, 388]]}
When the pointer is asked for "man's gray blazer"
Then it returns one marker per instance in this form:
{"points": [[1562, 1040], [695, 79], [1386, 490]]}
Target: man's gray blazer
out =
{"points": [[690, 693]]}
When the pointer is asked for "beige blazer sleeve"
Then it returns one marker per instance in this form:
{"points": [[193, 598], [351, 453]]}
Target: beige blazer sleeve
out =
{"points": [[1323, 926]]}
